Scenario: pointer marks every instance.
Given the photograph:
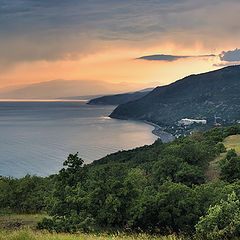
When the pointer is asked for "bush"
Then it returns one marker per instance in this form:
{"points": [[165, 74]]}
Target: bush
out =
{"points": [[25, 195], [232, 130], [222, 221], [230, 167]]}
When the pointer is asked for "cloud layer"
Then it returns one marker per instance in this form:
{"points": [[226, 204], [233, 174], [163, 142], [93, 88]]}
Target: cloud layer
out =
{"points": [[51, 30]]}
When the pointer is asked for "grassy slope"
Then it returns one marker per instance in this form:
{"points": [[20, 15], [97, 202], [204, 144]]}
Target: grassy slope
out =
{"points": [[231, 142], [10, 229], [14, 221], [31, 235]]}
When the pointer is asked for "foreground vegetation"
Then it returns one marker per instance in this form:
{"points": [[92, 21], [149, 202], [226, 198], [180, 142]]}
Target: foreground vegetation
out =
{"points": [[13, 221], [230, 142], [23, 227], [24, 195], [33, 235], [159, 189]]}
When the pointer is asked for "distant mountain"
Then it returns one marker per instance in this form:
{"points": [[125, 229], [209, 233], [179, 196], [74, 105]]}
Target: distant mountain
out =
{"points": [[146, 90], [120, 98], [67, 88], [87, 97], [201, 96]]}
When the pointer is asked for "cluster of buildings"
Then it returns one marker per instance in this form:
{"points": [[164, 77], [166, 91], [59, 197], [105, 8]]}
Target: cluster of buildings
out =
{"points": [[187, 121]]}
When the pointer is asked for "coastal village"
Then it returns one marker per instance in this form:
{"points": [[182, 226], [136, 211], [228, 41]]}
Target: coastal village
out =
{"points": [[187, 126]]}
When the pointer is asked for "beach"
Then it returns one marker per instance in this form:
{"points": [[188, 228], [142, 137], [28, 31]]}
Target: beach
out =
{"points": [[158, 131]]}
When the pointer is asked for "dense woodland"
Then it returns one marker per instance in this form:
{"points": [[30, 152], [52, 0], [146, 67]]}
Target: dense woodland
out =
{"points": [[161, 188]]}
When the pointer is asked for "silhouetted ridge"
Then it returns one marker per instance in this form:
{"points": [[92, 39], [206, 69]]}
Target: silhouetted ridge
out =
{"points": [[118, 98]]}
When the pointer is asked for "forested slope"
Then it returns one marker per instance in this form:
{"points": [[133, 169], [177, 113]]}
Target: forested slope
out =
{"points": [[200, 96], [161, 188], [158, 188]]}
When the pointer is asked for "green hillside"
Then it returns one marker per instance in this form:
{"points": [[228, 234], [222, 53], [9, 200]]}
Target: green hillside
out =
{"points": [[201, 96], [233, 142], [230, 142], [159, 189]]}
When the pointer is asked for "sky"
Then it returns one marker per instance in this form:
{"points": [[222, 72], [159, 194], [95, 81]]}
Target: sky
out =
{"points": [[152, 42]]}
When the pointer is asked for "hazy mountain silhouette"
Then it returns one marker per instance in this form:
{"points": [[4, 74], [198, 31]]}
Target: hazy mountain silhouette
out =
{"points": [[67, 88], [120, 98]]}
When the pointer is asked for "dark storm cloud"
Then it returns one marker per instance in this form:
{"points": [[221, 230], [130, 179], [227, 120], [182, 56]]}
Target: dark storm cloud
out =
{"points": [[169, 58], [49, 29]]}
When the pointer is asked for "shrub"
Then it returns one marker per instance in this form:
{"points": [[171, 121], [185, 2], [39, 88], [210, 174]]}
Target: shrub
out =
{"points": [[222, 221]]}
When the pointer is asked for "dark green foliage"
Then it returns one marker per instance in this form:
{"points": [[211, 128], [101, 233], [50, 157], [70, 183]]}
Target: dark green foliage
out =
{"points": [[222, 221], [169, 209], [178, 208], [220, 148], [62, 202], [158, 188], [230, 167], [185, 160], [73, 162], [189, 174], [212, 193], [25, 194], [151, 188], [232, 130], [215, 135]]}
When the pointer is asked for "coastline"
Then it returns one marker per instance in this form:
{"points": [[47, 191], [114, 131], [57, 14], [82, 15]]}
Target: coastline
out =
{"points": [[157, 131], [164, 136]]}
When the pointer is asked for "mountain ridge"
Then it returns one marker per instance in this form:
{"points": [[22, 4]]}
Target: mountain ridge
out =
{"points": [[119, 98], [199, 96]]}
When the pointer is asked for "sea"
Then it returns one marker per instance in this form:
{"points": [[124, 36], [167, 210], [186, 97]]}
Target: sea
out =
{"points": [[37, 136]]}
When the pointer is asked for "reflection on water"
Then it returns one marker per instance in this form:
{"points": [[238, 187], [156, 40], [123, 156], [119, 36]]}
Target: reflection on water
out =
{"points": [[36, 137]]}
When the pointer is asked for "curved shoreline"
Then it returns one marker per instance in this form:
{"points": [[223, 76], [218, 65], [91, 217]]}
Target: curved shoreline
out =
{"points": [[164, 136], [157, 131]]}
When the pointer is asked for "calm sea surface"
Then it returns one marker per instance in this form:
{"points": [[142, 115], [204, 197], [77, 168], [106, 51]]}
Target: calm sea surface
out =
{"points": [[36, 137]]}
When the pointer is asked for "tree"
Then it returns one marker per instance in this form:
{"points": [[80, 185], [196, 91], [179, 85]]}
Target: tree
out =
{"points": [[189, 175], [73, 162], [222, 221], [230, 167], [166, 168], [178, 210], [25, 194], [232, 130]]}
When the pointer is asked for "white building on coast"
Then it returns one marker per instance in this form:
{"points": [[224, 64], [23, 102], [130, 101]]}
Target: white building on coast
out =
{"points": [[187, 121]]}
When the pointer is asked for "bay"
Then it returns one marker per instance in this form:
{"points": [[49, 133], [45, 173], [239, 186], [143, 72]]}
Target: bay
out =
{"points": [[37, 136]]}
